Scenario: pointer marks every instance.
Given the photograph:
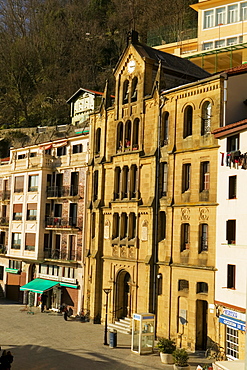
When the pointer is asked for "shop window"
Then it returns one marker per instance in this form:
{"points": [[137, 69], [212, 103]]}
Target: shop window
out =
{"points": [[77, 148], [231, 276], [203, 237], [133, 181], [125, 92], [1, 272], [232, 143], [136, 134], [19, 184], [134, 89], [17, 212], [186, 170], [30, 242], [204, 172], [33, 182], [117, 183], [185, 237], [206, 118], [232, 343], [232, 191], [31, 211], [188, 118], [183, 285], [125, 181], [124, 225], [201, 287], [98, 138], [162, 225], [16, 241], [164, 129], [115, 228], [120, 137], [231, 231], [95, 185]]}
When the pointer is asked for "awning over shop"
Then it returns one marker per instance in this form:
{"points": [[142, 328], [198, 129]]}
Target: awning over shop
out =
{"points": [[60, 145], [39, 285], [74, 286]]}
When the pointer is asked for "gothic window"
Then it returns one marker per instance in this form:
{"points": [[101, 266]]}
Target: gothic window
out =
{"points": [[133, 181], [164, 129], [136, 134], [125, 92], [163, 179], [127, 136], [115, 227], [117, 183], [93, 225], [120, 136], [134, 89], [95, 185], [132, 225], [97, 144], [124, 225], [125, 180], [188, 119], [206, 118]]}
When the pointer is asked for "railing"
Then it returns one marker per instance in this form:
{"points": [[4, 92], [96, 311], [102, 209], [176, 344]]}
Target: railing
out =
{"points": [[3, 249], [33, 188], [57, 254], [62, 191], [16, 246], [30, 248], [5, 195], [63, 222], [4, 221]]}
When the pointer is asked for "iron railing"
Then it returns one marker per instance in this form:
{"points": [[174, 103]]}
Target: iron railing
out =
{"points": [[62, 191]]}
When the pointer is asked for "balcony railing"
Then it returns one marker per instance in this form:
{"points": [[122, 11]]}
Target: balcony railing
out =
{"points": [[57, 254], [16, 246], [62, 191], [5, 195], [3, 249], [63, 222], [4, 221]]}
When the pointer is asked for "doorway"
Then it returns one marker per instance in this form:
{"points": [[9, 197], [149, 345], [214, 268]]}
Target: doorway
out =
{"points": [[201, 324], [123, 295]]}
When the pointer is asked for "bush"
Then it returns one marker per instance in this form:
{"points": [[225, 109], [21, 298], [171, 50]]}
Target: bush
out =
{"points": [[166, 345], [180, 356]]}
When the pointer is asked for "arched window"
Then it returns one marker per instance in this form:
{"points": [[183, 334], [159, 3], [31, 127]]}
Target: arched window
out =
{"points": [[125, 180], [133, 181], [162, 225], [164, 129], [188, 120], [95, 185], [134, 89], [206, 118], [97, 144], [127, 136], [126, 92], [117, 183], [136, 134], [120, 136]]}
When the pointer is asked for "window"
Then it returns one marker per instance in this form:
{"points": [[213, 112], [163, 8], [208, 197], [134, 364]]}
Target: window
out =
{"points": [[243, 11], [125, 181], [14, 264], [61, 151], [232, 343], [134, 89], [132, 225], [136, 134], [31, 211], [16, 241], [133, 181], [188, 118], [77, 148], [185, 237], [204, 181], [33, 182], [73, 214], [19, 184], [164, 129], [232, 41], [162, 225], [231, 231], [231, 272], [117, 183], [163, 178], [232, 187], [69, 272], [17, 212], [186, 177], [21, 156], [97, 141], [208, 45], [203, 237], [220, 16], [95, 185], [183, 285], [30, 242], [74, 182], [233, 143], [124, 225], [233, 13], [115, 228], [206, 118], [46, 241], [120, 137], [125, 92], [208, 19], [201, 287], [220, 44], [72, 247], [93, 225], [33, 154], [1, 272], [127, 136]]}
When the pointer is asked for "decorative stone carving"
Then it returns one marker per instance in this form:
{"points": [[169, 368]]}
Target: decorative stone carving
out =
{"points": [[123, 252], [132, 252], [144, 231], [203, 214], [115, 251], [185, 214], [107, 229]]}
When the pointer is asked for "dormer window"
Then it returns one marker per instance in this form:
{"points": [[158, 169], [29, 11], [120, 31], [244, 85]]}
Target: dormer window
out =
{"points": [[125, 92]]}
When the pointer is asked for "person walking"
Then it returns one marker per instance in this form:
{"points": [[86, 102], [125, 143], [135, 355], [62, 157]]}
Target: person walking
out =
{"points": [[6, 360], [43, 301]]}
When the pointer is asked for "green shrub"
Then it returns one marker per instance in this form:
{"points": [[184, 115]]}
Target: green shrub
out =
{"points": [[166, 345], [180, 356]]}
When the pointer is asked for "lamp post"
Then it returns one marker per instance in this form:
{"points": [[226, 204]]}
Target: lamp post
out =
{"points": [[107, 291]]}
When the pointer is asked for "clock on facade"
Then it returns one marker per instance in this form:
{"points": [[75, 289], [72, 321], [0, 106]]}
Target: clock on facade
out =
{"points": [[131, 66]]}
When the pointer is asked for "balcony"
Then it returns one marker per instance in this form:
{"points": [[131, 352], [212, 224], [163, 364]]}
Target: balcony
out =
{"points": [[57, 254], [5, 195], [62, 191], [63, 222], [4, 221], [3, 249]]}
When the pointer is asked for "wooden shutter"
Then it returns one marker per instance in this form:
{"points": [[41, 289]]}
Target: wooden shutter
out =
{"points": [[30, 239], [32, 206], [17, 208]]}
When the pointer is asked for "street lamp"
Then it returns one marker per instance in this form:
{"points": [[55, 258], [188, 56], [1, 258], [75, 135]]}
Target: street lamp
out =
{"points": [[107, 291]]}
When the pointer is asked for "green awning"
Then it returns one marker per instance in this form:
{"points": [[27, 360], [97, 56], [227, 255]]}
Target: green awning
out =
{"points": [[39, 285], [74, 286], [12, 271]]}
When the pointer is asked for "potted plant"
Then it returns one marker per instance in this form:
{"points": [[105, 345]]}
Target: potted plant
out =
{"points": [[180, 356], [166, 348]]}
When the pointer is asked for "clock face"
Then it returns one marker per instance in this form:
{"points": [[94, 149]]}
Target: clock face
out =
{"points": [[131, 66]]}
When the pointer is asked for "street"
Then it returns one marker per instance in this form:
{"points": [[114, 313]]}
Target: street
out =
{"points": [[45, 341]]}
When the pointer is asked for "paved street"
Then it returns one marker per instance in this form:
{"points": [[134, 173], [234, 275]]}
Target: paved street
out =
{"points": [[45, 341]]}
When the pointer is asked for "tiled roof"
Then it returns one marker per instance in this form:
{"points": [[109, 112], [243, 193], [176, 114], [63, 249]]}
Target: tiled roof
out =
{"points": [[238, 69], [229, 129]]}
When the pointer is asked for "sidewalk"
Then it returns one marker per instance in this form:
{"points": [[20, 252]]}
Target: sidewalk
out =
{"points": [[45, 341]]}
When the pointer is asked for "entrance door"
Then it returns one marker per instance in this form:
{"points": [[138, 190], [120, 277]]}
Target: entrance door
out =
{"points": [[123, 295], [201, 324]]}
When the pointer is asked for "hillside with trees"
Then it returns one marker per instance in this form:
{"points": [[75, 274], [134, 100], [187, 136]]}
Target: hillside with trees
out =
{"points": [[51, 48]]}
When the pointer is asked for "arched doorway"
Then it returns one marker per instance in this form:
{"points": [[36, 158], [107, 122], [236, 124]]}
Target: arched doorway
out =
{"points": [[123, 295]]}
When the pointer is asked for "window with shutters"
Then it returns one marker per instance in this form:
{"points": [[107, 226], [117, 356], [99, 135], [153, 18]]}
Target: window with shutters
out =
{"points": [[17, 212], [231, 231], [19, 184], [232, 190], [204, 172], [30, 241], [31, 211]]}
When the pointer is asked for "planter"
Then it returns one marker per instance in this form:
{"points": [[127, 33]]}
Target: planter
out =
{"points": [[166, 358], [177, 367]]}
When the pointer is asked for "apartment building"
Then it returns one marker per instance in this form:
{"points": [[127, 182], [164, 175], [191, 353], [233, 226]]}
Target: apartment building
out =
{"points": [[222, 36], [42, 220]]}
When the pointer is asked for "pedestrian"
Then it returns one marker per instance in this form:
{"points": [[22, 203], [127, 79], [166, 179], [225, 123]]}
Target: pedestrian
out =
{"points": [[43, 301], [65, 316], [6, 360]]}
